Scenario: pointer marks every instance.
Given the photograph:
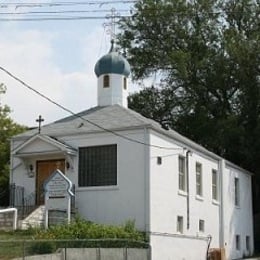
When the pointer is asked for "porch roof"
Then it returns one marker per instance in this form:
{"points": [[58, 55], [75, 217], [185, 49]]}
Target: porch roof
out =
{"points": [[42, 145]]}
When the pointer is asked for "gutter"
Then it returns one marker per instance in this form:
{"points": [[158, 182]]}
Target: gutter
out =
{"points": [[188, 189]]}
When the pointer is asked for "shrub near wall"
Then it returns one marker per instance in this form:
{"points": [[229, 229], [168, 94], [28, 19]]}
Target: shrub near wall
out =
{"points": [[83, 234]]}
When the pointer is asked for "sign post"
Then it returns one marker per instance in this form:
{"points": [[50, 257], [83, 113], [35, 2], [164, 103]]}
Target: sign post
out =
{"points": [[57, 194]]}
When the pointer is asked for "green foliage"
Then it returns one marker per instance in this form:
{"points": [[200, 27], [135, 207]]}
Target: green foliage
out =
{"points": [[42, 247], [206, 54], [81, 229], [7, 129]]}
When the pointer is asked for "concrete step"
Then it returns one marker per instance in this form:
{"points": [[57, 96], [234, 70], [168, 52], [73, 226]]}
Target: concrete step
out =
{"points": [[35, 219]]}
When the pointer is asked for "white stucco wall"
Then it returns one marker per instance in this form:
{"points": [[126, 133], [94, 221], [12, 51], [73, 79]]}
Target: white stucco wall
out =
{"points": [[115, 93], [19, 172], [171, 247], [237, 219], [167, 202], [148, 193], [125, 201]]}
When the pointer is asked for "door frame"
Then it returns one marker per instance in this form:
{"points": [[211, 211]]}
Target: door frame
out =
{"points": [[37, 191]]}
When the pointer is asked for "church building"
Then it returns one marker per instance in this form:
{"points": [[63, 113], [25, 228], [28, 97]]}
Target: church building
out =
{"points": [[127, 167]]}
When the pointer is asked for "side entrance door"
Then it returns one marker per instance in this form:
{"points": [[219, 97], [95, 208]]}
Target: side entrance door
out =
{"points": [[44, 170]]}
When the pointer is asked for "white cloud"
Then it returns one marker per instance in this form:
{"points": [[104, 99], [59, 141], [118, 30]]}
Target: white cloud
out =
{"points": [[29, 55]]}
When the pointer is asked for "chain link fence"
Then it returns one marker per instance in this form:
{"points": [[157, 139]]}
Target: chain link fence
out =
{"points": [[80, 249]]}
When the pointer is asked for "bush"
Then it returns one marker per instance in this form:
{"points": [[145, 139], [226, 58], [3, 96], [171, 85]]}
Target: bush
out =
{"points": [[41, 247], [97, 234]]}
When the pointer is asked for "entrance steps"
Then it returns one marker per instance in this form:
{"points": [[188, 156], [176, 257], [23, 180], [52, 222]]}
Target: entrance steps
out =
{"points": [[35, 219]]}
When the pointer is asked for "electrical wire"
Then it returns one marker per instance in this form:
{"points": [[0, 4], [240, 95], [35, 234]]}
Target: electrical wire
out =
{"points": [[52, 4], [62, 12], [82, 118], [58, 18]]}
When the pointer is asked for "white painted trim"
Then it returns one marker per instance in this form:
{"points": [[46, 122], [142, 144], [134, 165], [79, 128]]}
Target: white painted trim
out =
{"points": [[60, 146]]}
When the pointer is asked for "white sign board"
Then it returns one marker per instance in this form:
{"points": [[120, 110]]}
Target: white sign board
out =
{"points": [[57, 194], [58, 185], [57, 203]]}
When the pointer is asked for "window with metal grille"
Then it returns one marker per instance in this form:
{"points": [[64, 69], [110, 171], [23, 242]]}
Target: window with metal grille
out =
{"points": [[182, 174], [98, 165], [198, 179], [214, 184]]}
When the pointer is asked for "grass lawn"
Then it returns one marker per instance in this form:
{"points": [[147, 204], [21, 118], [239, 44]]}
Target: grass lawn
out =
{"points": [[11, 243], [80, 233]]}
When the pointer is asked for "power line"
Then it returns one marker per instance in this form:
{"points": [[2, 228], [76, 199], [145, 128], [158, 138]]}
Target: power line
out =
{"points": [[82, 118], [58, 18], [53, 4], [62, 12]]}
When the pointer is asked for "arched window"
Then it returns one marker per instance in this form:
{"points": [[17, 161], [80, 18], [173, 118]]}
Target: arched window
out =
{"points": [[125, 83], [106, 81]]}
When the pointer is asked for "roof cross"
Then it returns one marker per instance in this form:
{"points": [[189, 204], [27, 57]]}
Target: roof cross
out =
{"points": [[39, 120], [112, 24]]}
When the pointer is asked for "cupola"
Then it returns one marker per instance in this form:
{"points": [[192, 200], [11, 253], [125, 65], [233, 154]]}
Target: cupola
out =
{"points": [[112, 71]]}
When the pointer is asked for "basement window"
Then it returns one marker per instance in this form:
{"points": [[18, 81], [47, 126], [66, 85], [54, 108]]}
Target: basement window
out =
{"points": [[237, 242], [159, 160], [201, 225], [248, 243], [180, 224]]}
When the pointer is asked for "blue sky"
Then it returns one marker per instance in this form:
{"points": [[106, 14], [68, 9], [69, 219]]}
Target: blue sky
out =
{"points": [[55, 57]]}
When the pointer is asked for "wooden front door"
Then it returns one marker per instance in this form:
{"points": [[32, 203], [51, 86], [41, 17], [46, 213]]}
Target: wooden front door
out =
{"points": [[44, 170]]}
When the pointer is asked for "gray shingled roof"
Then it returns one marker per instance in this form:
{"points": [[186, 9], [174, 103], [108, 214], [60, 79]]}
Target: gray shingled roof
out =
{"points": [[113, 118], [110, 117]]}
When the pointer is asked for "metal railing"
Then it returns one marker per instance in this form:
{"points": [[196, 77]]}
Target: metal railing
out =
{"points": [[26, 204], [92, 249], [4, 197]]}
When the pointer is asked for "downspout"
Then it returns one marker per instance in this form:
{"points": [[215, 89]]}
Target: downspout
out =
{"points": [[147, 207], [188, 189], [221, 206], [11, 162]]}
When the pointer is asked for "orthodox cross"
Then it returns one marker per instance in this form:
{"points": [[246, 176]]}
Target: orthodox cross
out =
{"points": [[39, 120], [112, 24]]}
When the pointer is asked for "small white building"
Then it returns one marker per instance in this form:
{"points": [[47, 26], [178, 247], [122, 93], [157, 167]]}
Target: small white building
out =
{"points": [[127, 167]]}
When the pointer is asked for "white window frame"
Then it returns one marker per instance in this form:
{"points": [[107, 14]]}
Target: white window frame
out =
{"points": [[199, 182], [214, 185], [237, 192], [182, 178]]}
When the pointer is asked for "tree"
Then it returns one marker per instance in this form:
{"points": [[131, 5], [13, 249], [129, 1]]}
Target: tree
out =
{"points": [[207, 55], [7, 129]]}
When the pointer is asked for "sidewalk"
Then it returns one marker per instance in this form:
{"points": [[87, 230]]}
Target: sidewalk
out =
{"points": [[251, 258]]}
